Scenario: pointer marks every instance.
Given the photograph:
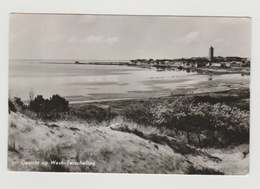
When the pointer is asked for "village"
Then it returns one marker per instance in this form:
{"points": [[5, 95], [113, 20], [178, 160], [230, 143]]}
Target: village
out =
{"points": [[194, 62], [227, 64]]}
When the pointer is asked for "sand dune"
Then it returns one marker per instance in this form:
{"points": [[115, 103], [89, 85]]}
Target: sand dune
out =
{"points": [[34, 145]]}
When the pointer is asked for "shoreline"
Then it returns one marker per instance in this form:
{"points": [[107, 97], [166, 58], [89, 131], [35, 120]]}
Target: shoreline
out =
{"points": [[191, 88], [164, 97], [112, 86]]}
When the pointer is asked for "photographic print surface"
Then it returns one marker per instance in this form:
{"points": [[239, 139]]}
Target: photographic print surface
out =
{"points": [[129, 94]]}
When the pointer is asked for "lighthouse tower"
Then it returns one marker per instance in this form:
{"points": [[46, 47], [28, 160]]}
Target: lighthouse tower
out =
{"points": [[211, 53]]}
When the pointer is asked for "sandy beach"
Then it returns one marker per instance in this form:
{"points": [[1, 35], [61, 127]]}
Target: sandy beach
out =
{"points": [[188, 86]]}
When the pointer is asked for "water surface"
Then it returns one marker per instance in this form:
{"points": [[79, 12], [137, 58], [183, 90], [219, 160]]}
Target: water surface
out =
{"points": [[74, 80]]}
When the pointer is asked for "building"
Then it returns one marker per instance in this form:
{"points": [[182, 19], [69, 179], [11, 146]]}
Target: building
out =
{"points": [[225, 64], [211, 53], [235, 64], [215, 64]]}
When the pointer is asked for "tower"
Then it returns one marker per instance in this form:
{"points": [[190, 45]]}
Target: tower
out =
{"points": [[211, 53]]}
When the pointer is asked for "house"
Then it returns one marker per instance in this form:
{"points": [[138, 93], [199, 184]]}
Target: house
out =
{"points": [[236, 64], [225, 64], [199, 64], [178, 64], [187, 64], [208, 64], [215, 64]]}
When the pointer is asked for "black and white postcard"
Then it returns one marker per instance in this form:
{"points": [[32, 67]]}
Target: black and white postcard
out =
{"points": [[129, 94]]}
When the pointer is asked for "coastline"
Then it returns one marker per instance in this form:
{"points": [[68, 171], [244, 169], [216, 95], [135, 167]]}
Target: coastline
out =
{"points": [[198, 88], [165, 97]]}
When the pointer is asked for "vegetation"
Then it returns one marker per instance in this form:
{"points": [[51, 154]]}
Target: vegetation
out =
{"points": [[203, 121], [19, 104], [54, 104], [11, 106], [140, 113], [217, 124], [92, 113], [12, 146], [176, 145], [43, 108], [192, 127], [231, 99]]}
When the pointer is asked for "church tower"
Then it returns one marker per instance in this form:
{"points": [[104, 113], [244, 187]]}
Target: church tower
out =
{"points": [[211, 53]]}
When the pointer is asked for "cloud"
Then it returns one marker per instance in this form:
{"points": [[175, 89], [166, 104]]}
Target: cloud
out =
{"points": [[100, 39], [93, 39], [111, 40], [191, 37]]}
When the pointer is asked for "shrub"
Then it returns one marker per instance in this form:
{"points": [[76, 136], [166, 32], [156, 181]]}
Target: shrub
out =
{"points": [[220, 123], [93, 113], [140, 113], [36, 105], [11, 106], [43, 106], [58, 104], [19, 103]]}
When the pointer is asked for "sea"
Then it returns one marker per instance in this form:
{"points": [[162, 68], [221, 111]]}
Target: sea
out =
{"points": [[64, 77]]}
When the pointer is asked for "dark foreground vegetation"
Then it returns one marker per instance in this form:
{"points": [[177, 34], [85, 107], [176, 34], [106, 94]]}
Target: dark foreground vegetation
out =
{"points": [[204, 120], [40, 107], [195, 133]]}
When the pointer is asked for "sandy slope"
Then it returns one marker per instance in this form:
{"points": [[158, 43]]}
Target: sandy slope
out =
{"points": [[233, 160], [110, 150]]}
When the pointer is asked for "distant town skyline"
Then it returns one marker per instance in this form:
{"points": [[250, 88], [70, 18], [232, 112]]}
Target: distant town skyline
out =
{"points": [[103, 37]]}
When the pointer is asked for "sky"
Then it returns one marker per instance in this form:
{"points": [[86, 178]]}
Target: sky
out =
{"points": [[103, 37]]}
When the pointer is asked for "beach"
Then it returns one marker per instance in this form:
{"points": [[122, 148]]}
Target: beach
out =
{"points": [[82, 83]]}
